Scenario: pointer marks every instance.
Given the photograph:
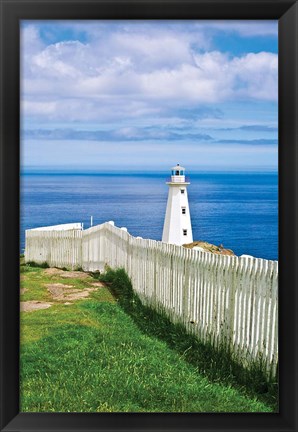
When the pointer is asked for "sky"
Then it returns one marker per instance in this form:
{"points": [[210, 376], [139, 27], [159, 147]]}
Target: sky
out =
{"points": [[141, 95]]}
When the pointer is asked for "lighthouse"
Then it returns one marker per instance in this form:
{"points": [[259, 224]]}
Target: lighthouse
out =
{"points": [[177, 225]]}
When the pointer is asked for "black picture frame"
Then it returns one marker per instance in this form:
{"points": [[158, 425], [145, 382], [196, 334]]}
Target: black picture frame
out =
{"points": [[12, 11]]}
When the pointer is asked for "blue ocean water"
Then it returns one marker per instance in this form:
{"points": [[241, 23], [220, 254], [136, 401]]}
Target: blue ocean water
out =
{"points": [[238, 210]]}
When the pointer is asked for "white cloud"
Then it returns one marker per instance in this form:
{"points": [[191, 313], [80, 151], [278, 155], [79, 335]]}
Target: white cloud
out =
{"points": [[30, 40], [252, 76], [258, 74], [39, 108]]}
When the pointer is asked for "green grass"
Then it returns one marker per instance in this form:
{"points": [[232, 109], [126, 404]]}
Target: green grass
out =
{"points": [[95, 355], [217, 365]]}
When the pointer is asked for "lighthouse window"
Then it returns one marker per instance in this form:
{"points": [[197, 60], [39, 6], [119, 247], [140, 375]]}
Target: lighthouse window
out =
{"points": [[182, 191], [177, 173], [183, 210], [184, 232]]}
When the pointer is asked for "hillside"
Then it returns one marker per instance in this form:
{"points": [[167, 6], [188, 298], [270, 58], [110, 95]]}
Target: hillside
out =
{"points": [[81, 351]]}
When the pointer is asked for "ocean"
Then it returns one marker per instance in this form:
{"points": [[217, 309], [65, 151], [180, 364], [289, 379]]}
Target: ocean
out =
{"points": [[238, 210]]}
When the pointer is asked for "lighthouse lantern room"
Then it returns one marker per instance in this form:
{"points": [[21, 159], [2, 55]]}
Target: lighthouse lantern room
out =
{"points": [[177, 225]]}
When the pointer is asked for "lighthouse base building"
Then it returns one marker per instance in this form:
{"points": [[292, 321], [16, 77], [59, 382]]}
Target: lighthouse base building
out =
{"points": [[177, 225]]}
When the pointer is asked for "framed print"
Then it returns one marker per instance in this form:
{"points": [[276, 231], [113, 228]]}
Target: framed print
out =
{"points": [[148, 215]]}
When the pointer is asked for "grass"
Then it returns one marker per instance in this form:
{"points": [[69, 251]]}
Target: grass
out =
{"points": [[217, 365], [104, 354]]}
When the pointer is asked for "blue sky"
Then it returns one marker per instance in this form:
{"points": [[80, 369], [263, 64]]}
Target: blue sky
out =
{"points": [[142, 94]]}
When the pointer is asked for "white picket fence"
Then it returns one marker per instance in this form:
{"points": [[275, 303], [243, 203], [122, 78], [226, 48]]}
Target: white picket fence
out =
{"points": [[230, 302], [57, 248]]}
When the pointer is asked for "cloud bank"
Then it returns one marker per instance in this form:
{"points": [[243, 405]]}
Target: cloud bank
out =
{"points": [[136, 73], [124, 83]]}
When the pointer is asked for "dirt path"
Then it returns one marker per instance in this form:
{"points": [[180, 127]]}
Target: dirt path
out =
{"points": [[33, 305], [66, 274], [62, 292]]}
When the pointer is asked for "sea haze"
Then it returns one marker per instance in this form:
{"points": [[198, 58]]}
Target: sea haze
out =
{"points": [[238, 210]]}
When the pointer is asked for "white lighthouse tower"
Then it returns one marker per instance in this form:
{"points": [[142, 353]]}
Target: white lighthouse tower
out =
{"points": [[177, 225]]}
